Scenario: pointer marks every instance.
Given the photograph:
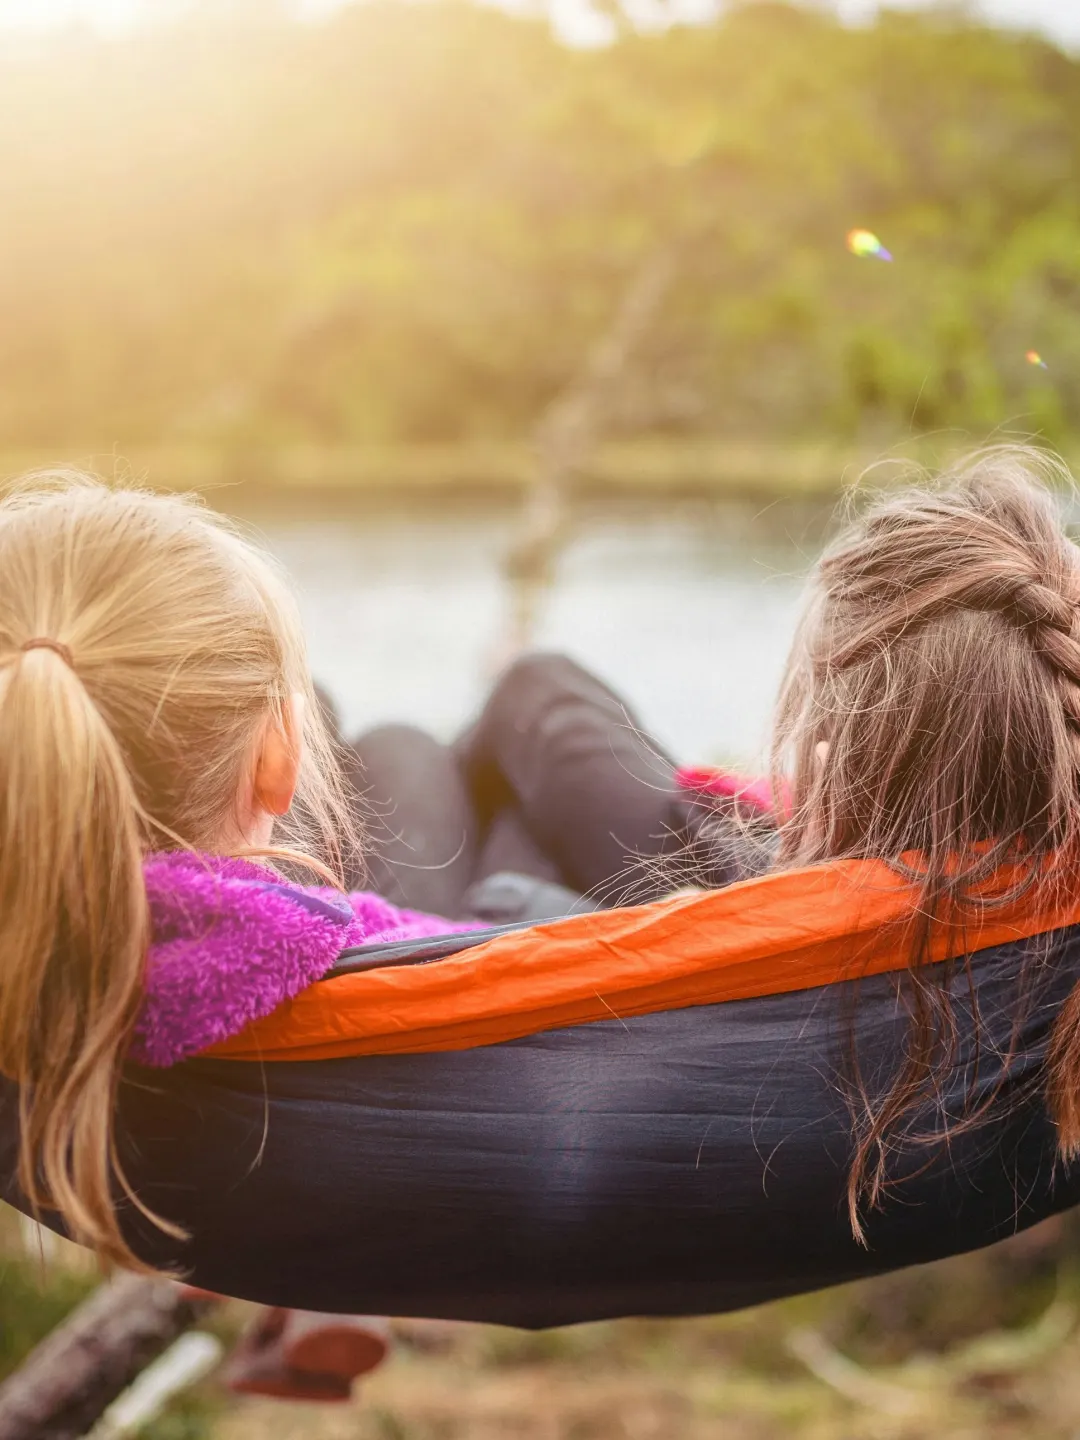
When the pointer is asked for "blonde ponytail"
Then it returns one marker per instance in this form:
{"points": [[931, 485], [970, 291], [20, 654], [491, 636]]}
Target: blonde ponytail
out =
{"points": [[142, 645], [73, 910]]}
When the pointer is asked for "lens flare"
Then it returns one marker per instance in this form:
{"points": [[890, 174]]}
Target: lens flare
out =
{"points": [[1034, 358], [865, 243]]}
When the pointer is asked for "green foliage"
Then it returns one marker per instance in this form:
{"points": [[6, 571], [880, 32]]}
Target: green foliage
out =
{"points": [[31, 1303], [409, 223]]}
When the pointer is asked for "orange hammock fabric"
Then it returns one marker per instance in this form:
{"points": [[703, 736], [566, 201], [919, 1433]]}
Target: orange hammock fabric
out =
{"points": [[791, 931]]}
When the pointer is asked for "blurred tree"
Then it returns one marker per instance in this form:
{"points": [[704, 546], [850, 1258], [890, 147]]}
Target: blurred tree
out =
{"points": [[411, 222]]}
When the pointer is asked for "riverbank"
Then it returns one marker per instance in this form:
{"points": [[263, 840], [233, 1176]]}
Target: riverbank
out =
{"points": [[646, 466]]}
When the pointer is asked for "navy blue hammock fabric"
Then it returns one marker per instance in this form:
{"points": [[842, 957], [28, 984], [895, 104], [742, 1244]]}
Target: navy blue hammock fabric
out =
{"points": [[683, 1162]]}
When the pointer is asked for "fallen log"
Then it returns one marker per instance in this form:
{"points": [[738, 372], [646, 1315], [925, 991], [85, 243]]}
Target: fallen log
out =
{"points": [[65, 1385]]}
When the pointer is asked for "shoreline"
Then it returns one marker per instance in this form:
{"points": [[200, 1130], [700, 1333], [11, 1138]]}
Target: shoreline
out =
{"points": [[646, 466]]}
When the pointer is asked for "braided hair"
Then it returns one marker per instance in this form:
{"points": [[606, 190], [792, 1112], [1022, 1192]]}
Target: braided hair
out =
{"points": [[930, 719]]}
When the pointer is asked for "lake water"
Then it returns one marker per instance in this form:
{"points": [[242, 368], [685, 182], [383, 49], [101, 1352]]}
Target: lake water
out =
{"points": [[687, 608]]}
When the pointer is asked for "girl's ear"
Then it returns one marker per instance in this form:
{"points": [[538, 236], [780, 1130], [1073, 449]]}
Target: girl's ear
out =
{"points": [[277, 768]]}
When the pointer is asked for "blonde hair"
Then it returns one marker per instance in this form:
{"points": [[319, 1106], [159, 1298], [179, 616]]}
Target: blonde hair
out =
{"points": [[143, 643], [939, 661]]}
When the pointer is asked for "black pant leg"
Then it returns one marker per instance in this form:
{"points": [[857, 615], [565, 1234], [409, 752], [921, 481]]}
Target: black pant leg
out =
{"points": [[508, 846], [422, 832], [596, 794]]}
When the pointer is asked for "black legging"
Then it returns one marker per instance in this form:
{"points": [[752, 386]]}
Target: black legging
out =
{"points": [[555, 779]]}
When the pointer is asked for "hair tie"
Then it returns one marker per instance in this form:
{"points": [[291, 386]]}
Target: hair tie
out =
{"points": [[42, 642]]}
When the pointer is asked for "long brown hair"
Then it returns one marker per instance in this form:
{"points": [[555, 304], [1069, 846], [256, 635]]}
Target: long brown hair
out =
{"points": [[930, 718], [143, 643]]}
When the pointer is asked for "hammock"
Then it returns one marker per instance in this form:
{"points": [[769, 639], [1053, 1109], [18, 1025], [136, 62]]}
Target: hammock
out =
{"points": [[633, 1112]]}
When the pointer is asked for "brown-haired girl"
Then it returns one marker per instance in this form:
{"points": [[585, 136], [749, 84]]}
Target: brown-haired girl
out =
{"points": [[929, 718]]}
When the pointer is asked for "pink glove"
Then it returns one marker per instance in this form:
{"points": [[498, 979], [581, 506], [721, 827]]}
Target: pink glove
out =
{"points": [[755, 795]]}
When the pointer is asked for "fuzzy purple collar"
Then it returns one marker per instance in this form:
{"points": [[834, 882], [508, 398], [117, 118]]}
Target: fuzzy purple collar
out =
{"points": [[230, 942]]}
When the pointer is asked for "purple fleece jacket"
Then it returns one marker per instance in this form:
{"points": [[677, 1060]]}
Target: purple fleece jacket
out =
{"points": [[230, 942]]}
